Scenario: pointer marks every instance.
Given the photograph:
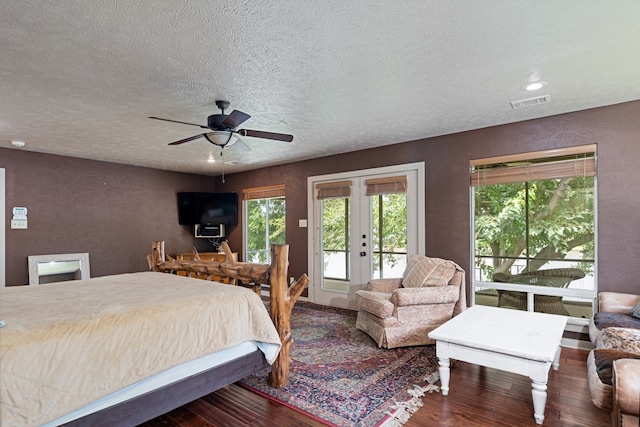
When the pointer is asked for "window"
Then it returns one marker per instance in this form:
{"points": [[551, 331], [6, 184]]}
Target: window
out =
{"points": [[264, 221], [534, 223], [388, 225], [335, 227]]}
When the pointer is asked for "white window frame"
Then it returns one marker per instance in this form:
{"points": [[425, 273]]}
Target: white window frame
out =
{"points": [[532, 290], [245, 225]]}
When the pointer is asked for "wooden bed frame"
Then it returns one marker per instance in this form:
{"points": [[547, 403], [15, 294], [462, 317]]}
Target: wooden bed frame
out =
{"points": [[282, 299], [160, 401]]}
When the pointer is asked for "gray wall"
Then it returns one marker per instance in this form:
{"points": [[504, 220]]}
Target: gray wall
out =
{"points": [[115, 211], [111, 211], [616, 130]]}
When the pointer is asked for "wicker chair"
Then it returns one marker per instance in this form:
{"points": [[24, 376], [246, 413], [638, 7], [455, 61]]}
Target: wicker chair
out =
{"points": [[555, 277]]}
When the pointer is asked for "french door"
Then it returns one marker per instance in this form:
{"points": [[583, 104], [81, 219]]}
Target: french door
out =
{"points": [[364, 226]]}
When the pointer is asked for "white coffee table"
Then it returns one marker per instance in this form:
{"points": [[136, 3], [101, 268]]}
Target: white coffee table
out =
{"points": [[516, 341]]}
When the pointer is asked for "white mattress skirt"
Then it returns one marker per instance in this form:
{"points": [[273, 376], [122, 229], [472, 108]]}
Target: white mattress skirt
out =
{"points": [[163, 378]]}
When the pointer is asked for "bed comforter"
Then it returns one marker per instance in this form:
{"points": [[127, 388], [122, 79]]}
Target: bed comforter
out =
{"points": [[67, 344]]}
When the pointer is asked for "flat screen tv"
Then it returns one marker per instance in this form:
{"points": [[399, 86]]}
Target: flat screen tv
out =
{"points": [[207, 208]]}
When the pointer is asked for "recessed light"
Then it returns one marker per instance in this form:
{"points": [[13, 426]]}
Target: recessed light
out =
{"points": [[18, 144], [534, 85]]}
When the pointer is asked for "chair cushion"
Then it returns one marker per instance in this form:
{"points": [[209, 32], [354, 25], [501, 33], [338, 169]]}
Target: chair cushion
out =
{"points": [[426, 295], [635, 311], [623, 339], [605, 319], [384, 285], [426, 271]]}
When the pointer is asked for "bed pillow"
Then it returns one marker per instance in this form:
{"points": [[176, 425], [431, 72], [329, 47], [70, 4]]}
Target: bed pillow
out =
{"points": [[424, 271], [635, 311]]}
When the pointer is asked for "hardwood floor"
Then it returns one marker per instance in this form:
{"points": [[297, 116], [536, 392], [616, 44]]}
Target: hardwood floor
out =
{"points": [[478, 397]]}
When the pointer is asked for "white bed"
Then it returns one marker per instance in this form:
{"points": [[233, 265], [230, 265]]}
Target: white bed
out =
{"points": [[72, 352]]}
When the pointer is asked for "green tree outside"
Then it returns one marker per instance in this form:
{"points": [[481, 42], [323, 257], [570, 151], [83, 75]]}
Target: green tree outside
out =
{"points": [[536, 221], [266, 225], [388, 228]]}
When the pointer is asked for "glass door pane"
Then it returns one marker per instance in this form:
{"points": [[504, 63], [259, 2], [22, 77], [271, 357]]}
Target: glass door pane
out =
{"points": [[389, 235], [336, 244]]}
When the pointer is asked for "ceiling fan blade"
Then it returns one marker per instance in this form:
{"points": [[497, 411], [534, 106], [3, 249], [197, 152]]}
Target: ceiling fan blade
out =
{"points": [[177, 121], [266, 135], [235, 119], [191, 138], [240, 145]]}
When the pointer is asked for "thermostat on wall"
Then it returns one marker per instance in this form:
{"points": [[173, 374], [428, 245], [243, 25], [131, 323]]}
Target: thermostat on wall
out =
{"points": [[19, 218], [19, 213]]}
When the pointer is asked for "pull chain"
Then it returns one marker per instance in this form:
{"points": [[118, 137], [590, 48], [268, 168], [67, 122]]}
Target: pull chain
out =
{"points": [[222, 165]]}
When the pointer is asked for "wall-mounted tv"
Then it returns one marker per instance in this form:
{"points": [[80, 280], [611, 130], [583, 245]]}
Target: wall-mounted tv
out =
{"points": [[207, 208]]}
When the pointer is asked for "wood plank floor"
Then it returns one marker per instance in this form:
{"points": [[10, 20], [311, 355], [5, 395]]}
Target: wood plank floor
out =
{"points": [[478, 397]]}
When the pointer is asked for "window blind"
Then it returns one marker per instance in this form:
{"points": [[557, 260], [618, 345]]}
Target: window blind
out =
{"points": [[265, 192], [333, 189], [534, 166], [387, 185]]}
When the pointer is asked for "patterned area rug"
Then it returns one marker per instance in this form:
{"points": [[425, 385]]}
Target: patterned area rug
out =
{"points": [[339, 375]]}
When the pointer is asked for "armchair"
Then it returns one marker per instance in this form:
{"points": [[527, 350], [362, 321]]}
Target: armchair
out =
{"points": [[626, 392], [613, 367], [401, 312]]}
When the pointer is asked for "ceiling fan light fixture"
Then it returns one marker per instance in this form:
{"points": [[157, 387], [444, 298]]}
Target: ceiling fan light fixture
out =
{"points": [[222, 129], [538, 84], [221, 138]]}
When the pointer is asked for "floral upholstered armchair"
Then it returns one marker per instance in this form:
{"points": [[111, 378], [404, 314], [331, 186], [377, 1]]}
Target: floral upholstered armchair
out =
{"points": [[401, 312]]}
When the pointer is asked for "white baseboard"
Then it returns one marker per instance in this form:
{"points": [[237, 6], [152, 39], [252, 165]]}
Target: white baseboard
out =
{"points": [[577, 344], [581, 328]]}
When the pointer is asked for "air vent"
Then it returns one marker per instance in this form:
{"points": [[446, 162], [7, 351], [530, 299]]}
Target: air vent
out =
{"points": [[544, 99]]}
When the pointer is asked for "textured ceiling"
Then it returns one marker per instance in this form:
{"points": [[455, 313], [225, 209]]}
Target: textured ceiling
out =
{"points": [[80, 77]]}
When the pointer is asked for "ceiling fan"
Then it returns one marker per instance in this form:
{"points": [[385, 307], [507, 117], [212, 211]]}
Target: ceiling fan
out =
{"points": [[223, 130]]}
